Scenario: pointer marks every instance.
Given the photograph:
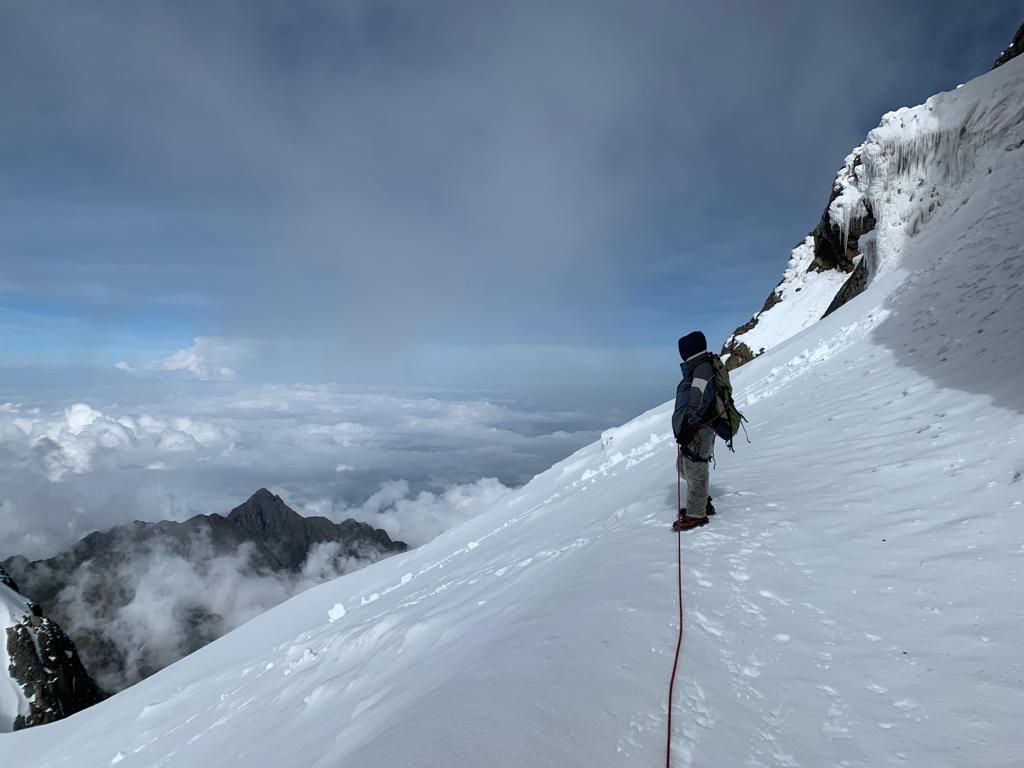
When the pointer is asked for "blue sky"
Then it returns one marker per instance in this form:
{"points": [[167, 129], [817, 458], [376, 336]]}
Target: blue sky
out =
{"points": [[364, 181]]}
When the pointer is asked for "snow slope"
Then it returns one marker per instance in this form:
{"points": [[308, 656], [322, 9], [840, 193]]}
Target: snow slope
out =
{"points": [[856, 602], [802, 298]]}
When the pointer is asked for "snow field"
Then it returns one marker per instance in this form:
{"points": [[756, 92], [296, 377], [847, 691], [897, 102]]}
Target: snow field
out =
{"points": [[803, 298]]}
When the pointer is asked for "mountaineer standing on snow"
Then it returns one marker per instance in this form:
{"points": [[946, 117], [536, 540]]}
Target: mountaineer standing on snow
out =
{"points": [[695, 438]]}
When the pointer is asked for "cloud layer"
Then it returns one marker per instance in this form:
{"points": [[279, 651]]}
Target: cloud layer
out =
{"points": [[411, 464]]}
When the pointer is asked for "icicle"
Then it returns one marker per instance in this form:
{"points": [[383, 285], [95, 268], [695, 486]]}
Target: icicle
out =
{"points": [[845, 227], [846, 211], [943, 150], [847, 208]]}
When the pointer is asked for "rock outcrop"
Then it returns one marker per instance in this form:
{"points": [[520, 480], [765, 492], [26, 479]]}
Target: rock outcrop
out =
{"points": [[1015, 48], [43, 679]]}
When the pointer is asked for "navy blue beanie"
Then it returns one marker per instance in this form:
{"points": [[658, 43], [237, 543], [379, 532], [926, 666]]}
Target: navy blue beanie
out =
{"points": [[691, 344]]}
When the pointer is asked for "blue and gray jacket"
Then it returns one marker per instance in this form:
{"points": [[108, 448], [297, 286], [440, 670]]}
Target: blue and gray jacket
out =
{"points": [[695, 393]]}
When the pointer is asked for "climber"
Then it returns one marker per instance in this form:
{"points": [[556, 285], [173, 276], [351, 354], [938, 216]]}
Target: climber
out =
{"points": [[695, 439]]}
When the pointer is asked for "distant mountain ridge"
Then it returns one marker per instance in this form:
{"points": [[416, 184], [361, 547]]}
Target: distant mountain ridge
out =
{"points": [[92, 587]]}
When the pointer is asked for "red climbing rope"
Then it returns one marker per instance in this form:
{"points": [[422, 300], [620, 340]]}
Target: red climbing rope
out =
{"points": [[679, 643]]}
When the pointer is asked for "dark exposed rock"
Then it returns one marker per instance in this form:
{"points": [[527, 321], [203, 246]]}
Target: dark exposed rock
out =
{"points": [[266, 536], [1015, 48], [854, 286], [45, 664], [287, 535], [8, 581], [831, 250], [739, 353]]}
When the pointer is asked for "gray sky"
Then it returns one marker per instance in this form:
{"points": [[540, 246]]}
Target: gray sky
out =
{"points": [[516, 202], [371, 177]]}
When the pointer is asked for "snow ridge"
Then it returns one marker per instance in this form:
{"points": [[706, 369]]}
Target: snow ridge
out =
{"points": [[910, 165]]}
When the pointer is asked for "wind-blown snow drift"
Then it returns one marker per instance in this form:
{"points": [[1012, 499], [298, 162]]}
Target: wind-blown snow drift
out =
{"points": [[855, 602]]}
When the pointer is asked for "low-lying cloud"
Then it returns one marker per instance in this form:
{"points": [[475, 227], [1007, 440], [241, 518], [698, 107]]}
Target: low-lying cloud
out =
{"points": [[164, 599], [418, 518]]}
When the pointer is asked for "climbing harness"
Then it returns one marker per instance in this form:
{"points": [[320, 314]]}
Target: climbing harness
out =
{"points": [[697, 457]]}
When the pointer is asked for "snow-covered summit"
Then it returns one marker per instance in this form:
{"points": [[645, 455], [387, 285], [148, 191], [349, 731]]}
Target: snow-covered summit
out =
{"points": [[914, 162]]}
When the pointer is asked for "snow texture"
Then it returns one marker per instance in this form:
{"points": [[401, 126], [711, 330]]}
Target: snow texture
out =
{"points": [[855, 602]]}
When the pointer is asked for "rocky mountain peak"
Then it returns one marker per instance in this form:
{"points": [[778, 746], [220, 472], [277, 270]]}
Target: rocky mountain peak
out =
{"points": [[263, 512]]}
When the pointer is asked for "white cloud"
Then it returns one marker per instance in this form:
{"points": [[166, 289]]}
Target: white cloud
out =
{"points": [[418, 518], [79, 416], [207, 358], [409, 464], [81, 439], [8, 523]]}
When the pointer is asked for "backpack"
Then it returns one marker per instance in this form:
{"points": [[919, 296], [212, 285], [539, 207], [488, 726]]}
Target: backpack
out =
{"points": [[727, 419]]}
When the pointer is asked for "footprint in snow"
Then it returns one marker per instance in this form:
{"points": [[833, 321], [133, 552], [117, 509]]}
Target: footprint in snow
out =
{"points": [[773, 597], [707, 624]]}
